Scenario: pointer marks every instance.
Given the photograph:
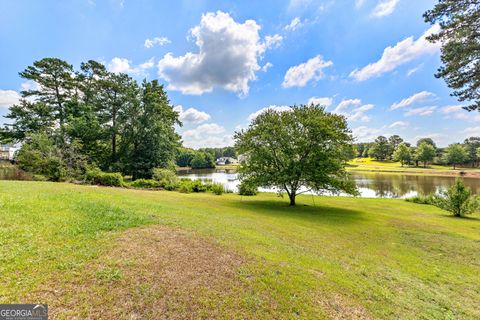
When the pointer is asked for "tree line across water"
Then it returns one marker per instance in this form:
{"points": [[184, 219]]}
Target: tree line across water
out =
{"points": [[425, 151]]}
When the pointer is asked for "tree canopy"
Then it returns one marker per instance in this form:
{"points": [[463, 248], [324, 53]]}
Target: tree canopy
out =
{"points": [[107, 119], [459, 36], [304, 147]]}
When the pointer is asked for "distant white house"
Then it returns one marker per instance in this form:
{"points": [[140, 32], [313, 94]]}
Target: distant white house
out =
{"points": [[7, 151], [226, 160]]}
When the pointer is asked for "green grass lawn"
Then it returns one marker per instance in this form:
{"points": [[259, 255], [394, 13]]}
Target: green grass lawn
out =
{"points": [[369, 164], [328, 257]]}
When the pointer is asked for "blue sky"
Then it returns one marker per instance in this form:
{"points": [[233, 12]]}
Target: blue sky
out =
{"points": [[222, 61]]}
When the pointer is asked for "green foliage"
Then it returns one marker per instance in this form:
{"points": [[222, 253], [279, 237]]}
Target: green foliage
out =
{"points": [[304, 147], [458, 200], [428, 141], [247, 188], [217, 188], [96, 176], [184, 157], [381, 149], [429, 199], [460, 41], [402, 154], [166, 177], [146, 184], [471, 145], [202, 160], [425, 153], [95, 117], [40, 156], [455, 154]]}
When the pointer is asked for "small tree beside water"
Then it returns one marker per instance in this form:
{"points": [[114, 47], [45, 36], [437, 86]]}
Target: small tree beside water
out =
{"points": [[300, 148], [458, 200]]}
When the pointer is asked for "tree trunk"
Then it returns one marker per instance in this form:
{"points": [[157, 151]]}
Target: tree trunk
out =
{"points": [[292, 199]]}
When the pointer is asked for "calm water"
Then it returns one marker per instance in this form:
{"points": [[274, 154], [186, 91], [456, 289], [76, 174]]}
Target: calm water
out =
{"points": [[370, 185]]}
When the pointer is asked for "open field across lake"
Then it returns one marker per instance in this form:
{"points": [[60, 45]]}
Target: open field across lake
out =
{"points": [[371, 165], [140, 254]]}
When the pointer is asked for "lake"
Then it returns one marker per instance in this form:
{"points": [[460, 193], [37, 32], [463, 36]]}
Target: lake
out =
{"points": [[370, 185]]}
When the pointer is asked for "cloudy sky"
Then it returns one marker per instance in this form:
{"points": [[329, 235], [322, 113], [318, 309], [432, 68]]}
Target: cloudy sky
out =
{"points": [[222, 62]]}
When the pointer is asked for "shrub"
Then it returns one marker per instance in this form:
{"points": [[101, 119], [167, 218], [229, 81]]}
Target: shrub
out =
{"points": [[185, 186], [458, 200], [217, 188], [96, 176], [166, 177], [422, 199], [247, 188], [40, 156], [146, 184]]}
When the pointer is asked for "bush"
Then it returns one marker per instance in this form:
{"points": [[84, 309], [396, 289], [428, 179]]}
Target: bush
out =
{"points": [[40, 156], [96, 176], [166, 178], [185, 186], [458, 200], [146, 184], [422, 199], [217, 188], [247, 188]]}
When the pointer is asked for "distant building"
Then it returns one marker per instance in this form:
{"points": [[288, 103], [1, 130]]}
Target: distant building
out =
{"points": [[226, 160], [7, 151]]}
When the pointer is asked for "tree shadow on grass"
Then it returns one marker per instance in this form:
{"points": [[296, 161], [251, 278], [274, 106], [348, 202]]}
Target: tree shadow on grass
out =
{"points": [[313, 213]]}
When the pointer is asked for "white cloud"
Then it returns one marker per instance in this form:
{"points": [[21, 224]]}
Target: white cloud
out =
{"points": [[416, 98], [227, 57], [398, 124], [359, 3], [457, 112], [472, 132], [294, 24], [150, 43], [8, 98], [345, 104], [384, 8], [323, 101], [206, 135], [452, 109], [273, 41], [414, 70], [300, 75], [191, 115], [123, 65], [252, 116], [365, 134], [403, 52], [267, 66], [423, 111], [29, 85], [353, 110]]}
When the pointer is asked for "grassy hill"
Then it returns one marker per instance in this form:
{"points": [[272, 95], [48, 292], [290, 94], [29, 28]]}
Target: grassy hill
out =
{"points": [[118, 253]]}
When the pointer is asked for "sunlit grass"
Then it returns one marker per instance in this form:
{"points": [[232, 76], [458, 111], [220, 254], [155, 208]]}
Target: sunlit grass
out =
{"points": [[390, 258]]}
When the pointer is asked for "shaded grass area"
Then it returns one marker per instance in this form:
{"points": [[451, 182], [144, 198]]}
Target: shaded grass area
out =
{"points": [[327, 257]]}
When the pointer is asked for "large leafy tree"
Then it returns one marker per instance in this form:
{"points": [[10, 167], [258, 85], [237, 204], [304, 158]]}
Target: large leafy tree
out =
{"points": [[402, 154], [381, 148], [301, 148], [425, 153], [95, 116], [455, 154], [459, 35], [471, 146], [149, 132]]}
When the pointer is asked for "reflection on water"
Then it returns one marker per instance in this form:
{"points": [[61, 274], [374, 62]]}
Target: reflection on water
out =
{"points": [[370, 185]]}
